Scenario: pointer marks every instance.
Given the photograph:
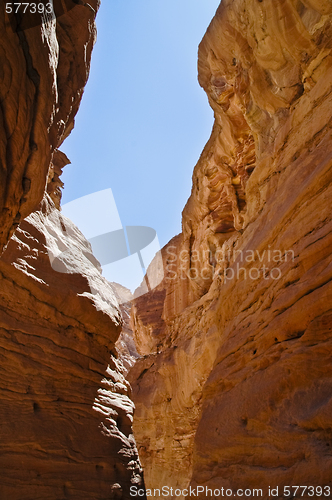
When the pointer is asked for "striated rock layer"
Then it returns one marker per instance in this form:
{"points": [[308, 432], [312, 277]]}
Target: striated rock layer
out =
{"points": [[65, 409], [65, 422], [43, 73], [235, 387]]}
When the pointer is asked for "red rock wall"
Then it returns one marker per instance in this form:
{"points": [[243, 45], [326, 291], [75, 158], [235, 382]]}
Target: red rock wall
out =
{"points": [[239, 395], [65, 409], [44, 71]]}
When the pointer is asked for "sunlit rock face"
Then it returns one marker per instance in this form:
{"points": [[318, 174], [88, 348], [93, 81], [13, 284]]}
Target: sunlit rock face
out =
{"points": [[65, 410], [65, 406], [43, 73], [235, 386]]}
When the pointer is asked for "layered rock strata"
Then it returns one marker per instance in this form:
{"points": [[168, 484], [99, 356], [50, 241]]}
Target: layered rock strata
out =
{"points": [[65, 409], [43, 73], [235, 386]]}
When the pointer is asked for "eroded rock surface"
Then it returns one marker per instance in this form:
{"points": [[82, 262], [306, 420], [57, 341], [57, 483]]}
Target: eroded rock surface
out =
{"points": [[43, 73], [235, 386], [65, 409]]}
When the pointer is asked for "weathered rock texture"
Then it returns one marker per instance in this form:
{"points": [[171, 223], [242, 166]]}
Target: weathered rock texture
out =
{"points": [[43, 73], [235, 388], [65, 423], [65, 407]]}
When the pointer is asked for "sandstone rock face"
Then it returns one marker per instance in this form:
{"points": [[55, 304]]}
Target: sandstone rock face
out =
{"points": [[43, 73], [65, 422], [65, 410], [235, 386]]}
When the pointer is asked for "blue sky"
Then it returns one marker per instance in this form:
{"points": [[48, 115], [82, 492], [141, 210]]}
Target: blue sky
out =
{"points": [[143, 120]]}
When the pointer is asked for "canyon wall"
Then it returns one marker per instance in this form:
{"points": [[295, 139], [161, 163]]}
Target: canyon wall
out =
{"points": [[234, 388], [44, 69], [65, 410]]}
